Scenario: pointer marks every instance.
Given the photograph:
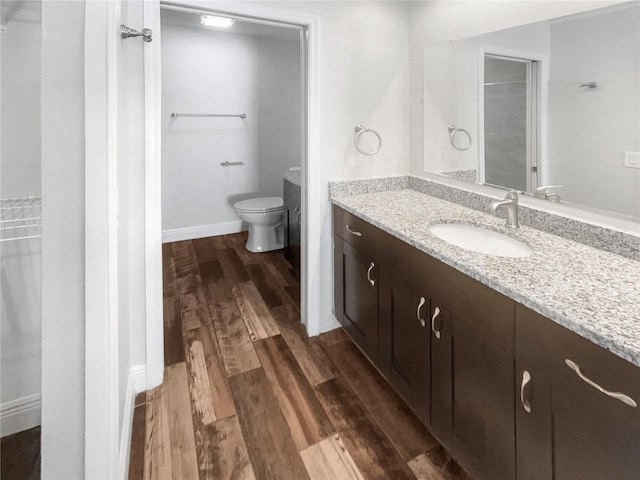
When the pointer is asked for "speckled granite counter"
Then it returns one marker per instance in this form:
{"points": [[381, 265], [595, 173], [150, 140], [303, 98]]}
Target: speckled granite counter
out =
{"points": [[589, 291], [294, 176]]}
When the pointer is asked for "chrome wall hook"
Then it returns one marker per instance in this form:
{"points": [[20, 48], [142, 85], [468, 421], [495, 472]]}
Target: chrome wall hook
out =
{"points": [[127, 32]]}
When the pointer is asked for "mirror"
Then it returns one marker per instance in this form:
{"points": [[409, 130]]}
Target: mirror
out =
{"points": [[550, 104]]}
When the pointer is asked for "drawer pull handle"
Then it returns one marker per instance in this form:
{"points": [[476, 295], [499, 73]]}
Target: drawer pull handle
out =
{"points": [[436, 314], [420, 319], [371, 267], [618, 396], [353, 232], [526, 378]]}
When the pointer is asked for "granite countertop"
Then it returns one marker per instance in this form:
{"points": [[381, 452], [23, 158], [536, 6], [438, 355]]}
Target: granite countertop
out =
{"points": [[294, 176], [589, 291]]}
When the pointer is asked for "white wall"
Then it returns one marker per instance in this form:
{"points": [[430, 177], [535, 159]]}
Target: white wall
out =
{"points": [[63, 239], [20, 101], [606, 120], [363, 78], [20, 281], [208, 71], [20, 289], [442, 21]]}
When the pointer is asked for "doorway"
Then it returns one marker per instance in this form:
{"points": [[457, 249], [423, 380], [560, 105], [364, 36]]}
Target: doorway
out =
{"points": [[311, 203], [509, 93]]}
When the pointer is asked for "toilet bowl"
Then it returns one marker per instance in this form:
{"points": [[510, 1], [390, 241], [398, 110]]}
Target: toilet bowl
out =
{"points": [[265, 216]]}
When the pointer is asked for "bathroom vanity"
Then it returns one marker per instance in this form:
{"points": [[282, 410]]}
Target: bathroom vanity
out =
{"points": [[293, 218], [523, 368]]}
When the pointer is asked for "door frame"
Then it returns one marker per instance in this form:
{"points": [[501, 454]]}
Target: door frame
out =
{"points": [[312, 205], [101, 382], [540, 120]]}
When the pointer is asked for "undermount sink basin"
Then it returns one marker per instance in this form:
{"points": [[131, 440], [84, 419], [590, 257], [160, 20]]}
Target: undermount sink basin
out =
{"points": [[481, 240]]}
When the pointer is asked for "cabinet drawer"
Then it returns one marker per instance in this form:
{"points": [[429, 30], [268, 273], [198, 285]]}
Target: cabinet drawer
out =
{"points": [[355, 231]]}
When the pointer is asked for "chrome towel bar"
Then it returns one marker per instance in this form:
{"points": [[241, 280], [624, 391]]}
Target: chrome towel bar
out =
{"points": [[239, 115], [231, 164]]}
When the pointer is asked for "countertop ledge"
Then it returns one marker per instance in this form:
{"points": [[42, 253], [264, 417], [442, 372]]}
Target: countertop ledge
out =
{"points": [[589, 291]]}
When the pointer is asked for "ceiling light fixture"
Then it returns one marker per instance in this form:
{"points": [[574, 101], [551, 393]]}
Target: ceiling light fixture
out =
{"points": [[213, 21]]}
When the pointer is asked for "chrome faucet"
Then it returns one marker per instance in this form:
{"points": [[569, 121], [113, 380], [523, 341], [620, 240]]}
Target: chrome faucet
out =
{"points": [[541, 192], [510, 205]]}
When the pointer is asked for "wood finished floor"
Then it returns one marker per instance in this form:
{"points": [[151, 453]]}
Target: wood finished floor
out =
{"points": [[20, 455], [248, 395]]}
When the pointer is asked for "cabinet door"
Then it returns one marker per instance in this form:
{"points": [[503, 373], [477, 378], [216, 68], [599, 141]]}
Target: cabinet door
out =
{"points": [[483, 436], [441, 374], [404, 347], [356, 295], [573, 429]]}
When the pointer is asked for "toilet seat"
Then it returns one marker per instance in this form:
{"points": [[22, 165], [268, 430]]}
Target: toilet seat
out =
{"points": [[260, 205]]}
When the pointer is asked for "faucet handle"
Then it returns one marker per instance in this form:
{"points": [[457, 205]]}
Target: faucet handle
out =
{"points": [[541, 192], [512, 195]]}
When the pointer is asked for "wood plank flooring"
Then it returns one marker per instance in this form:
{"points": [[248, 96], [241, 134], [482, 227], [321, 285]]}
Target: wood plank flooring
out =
{"points": [[20, 455], [248, 395]]}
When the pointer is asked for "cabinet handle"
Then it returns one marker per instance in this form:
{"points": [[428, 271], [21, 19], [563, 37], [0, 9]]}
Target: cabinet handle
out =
{"points": [[353, 232], [436, 313], [371, 267], [420, 319], [526, 378], [618, 396]]}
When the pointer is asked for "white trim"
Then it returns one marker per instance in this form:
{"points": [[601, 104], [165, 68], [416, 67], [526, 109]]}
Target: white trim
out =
{"points": [[139, 378], [20, 414], [542, 83], [126, 429], [330, 324], [152, 209], [201, 231], [313, 203], [101, 415]]}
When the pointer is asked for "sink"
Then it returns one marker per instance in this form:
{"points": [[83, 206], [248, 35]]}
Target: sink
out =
{"points": [[481, 240]]}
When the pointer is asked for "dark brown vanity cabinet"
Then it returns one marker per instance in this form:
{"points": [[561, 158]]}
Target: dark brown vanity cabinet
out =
{"points": [[575, 414], [356, 280], [443, 340], [472, 373], [404, 346], [484, 373]]}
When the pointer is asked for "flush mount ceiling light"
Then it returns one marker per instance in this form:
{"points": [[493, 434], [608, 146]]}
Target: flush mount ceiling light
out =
{"points": [[213, 21]]}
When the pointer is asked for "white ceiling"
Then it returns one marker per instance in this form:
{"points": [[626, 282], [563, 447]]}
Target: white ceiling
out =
{"points": [[242, 27]]}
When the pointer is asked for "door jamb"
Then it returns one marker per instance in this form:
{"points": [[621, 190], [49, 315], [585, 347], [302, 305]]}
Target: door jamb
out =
{"points": [[312, 205]]}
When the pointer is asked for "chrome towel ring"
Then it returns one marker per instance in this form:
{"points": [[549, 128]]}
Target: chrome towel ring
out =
{"points": [[453, 130], [359, 131]]}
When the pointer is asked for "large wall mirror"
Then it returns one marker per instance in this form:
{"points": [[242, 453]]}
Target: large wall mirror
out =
{"points": [[551, 104]]}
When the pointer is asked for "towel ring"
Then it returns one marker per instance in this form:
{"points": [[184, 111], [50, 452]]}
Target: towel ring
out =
{"points": [[359, 131], [452, 133]]}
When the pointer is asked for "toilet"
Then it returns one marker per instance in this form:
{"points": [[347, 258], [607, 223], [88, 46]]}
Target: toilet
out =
{"points": [[265, 216]]}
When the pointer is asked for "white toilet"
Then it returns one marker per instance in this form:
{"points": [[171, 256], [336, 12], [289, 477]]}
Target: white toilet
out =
{"points": [[265, 216]]}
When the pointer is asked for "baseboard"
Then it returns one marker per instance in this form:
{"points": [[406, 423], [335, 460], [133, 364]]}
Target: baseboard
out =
{"points": [[21, 414], [329, 324], [139, 373], [135, 384], [201, 231]]}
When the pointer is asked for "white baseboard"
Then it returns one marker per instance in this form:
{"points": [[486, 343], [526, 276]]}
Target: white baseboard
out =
{"points": [[20, 414], [201, 231], [329, 324], [139, 373], [136, 383]]}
